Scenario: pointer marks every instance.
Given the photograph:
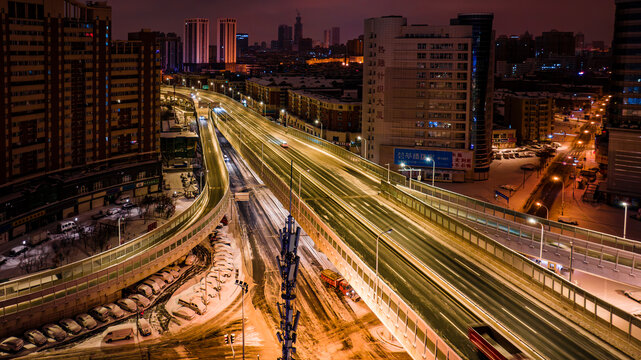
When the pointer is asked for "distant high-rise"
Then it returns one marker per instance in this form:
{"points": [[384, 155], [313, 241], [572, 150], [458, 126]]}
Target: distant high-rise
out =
{"points": [[624, 120], [555, 43], [579, 42], [285, 37], [298, 32], [327, 38], [227, 40], [427, 92], [196, 45], [171, 52], [355, 47], [336, 36], [242, 43]]}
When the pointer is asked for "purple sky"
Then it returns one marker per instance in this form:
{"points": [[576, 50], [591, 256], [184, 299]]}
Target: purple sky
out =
{"points": [[260, 18]]}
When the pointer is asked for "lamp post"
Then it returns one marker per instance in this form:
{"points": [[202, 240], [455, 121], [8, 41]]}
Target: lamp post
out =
{"points": [[119, 237], [364, 141], [556, 178], [625, 217], [243, 291], [377, 237], [532, 221], [410, 169], [429, 159], [321, 127], [547, 211], [283, 113]]}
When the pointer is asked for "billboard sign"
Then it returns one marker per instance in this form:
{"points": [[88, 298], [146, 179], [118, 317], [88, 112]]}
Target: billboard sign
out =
{"points": [[416, 157]]}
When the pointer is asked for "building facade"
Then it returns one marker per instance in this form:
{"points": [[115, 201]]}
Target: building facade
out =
{"points": [[336, 36], [227, 41], [298, 32], [427, 93], [242, 44], [284, 37], [531, 116], [79, 111], [196, 45], [171, 53], [624, 119]]}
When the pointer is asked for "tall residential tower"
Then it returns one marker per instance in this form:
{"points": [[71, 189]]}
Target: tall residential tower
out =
{"points": [[427, 93], [226, 41], [196, 41]]}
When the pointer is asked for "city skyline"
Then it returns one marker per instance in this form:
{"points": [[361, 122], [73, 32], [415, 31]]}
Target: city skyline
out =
{"points": [[593, 18]]}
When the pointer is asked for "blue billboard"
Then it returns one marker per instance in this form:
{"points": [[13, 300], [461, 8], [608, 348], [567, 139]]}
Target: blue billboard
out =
{"points": [[416, 157]]}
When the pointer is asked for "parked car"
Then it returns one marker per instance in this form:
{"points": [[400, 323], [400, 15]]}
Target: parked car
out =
{"points": [[166, 276], [140, 300], [35, 337], [528, 167], [122, 200], [115, 311], [568, 220], [128, 205], [12, 344], [3, 259], [100, 313], [65, 226], [127, 305], [86, 321], [17, 250], [185, 313], [155, 289], [173, 270], [113, 211], [120, 334], [224, 221], [54, 331], [158, 280], [144, 290], [193, 302], [144, 327], [70, 326], [190, 259], [508, 187]]}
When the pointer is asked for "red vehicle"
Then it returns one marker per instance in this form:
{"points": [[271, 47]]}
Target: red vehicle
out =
{"points": [[334, 280], [492, 344], [224, 220]]}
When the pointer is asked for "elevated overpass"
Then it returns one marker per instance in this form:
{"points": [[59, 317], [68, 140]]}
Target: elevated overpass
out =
{"points": [[48, 296], [429, 292]]}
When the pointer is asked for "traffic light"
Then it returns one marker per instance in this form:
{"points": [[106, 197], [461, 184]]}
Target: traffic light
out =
{"points": [[233, 337], [226, 339]]}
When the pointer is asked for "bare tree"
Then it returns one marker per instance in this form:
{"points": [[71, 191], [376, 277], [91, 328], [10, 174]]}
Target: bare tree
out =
{"points": [[32, 263]]}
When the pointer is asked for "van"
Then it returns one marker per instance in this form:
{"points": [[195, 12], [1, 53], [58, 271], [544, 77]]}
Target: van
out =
{"points": [[120, 334], [568, 220], [65, 226]]}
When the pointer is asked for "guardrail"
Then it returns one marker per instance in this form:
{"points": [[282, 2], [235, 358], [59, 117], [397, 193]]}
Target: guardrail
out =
{"points": [[598, 250], [613, 316], [418, 339], [67, 288]]}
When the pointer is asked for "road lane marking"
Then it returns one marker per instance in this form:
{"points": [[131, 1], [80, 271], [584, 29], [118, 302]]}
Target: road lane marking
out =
{"points": [[454, 325], [519, 320], [544, 319], [467, 267]]}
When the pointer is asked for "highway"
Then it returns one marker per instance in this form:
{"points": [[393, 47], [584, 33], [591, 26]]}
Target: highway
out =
{"points": [[552, 338]]}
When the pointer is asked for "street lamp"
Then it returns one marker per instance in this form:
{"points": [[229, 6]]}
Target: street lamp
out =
{"points": [[364, 144], [547, 211], [556, 178], [532, 221], [429, 159], [389, 231], [625, 217], [321, 126], [119, 237], [410, 169], [243, 290]]}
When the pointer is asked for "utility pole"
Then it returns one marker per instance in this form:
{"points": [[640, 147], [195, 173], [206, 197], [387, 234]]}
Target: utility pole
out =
{"points": [[243, 291]]}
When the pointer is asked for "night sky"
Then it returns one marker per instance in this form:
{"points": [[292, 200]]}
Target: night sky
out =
{"points": [[260, 18]]}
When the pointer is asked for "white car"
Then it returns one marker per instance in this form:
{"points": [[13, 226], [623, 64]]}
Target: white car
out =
{"points": [[12, 344], [145, 290], [54, 331], [166, 276], [86, 321], [35, 337], [115, 311], [190, 259], [70, 326], [127, 305], [140, 300], [100, 313], [144, 327], [153, 285], [185, 313]]}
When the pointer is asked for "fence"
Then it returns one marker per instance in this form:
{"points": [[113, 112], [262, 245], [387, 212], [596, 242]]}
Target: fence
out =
{"points": [[28, 296], [563, 289]]}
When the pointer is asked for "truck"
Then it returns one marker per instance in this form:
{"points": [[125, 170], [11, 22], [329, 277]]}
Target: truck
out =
{"points": [[334, 280], [492, 344]]}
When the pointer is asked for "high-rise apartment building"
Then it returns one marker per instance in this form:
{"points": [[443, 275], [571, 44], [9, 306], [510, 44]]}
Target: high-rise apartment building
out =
{"points": [[355, 47], [624, 119], [531, 116], [79, 113], [196, 45], [298, 32], [336, 36], [284, 37], [555, 43], [427, 93], [227, 41], [242, 43], [327, 38], [171, 52]]}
